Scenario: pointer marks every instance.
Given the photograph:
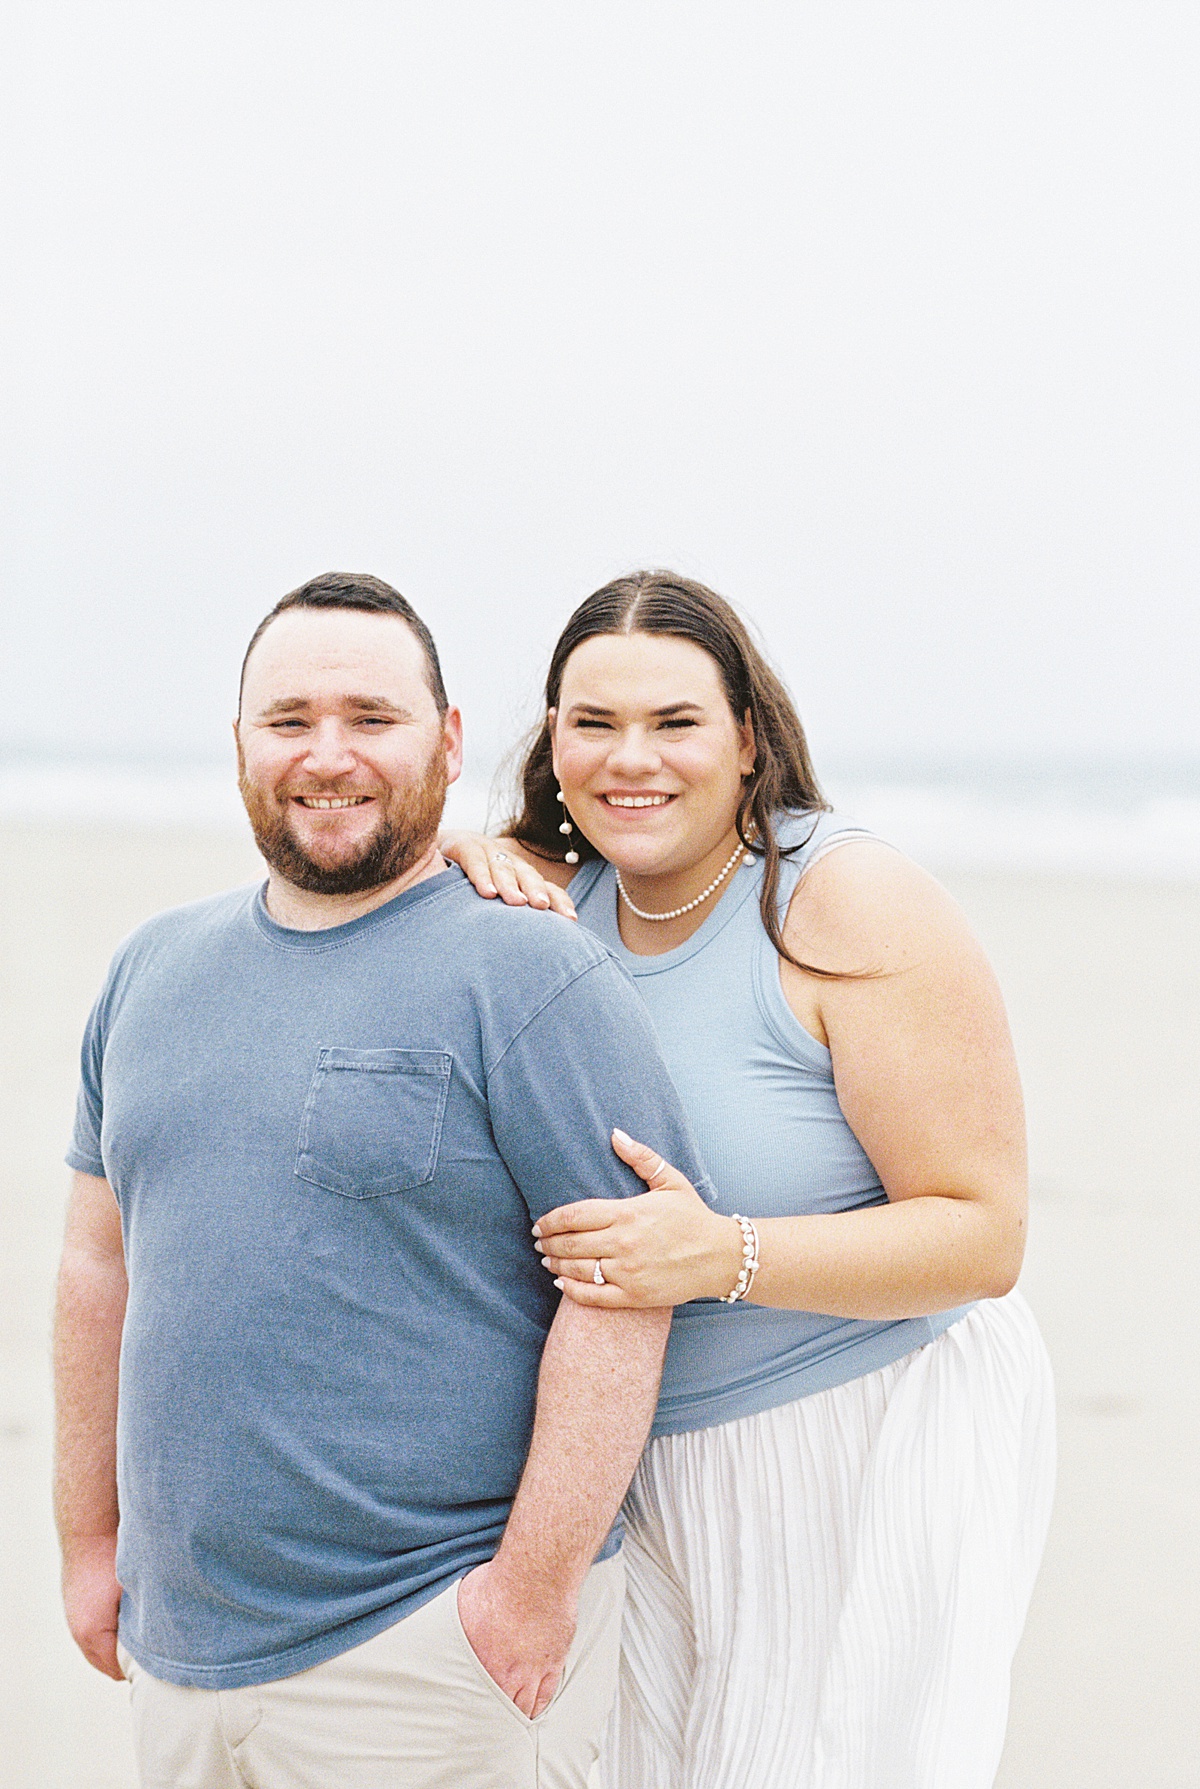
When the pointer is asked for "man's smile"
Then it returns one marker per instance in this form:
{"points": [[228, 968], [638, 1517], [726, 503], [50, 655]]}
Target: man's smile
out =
{"points": [[332, 801]]}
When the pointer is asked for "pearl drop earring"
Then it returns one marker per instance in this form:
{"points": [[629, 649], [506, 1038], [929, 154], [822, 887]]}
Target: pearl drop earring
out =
{"points": [[572, 856]]}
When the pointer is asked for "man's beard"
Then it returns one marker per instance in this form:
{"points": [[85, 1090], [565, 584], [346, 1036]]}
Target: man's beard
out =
{"points": [[408, 825]]}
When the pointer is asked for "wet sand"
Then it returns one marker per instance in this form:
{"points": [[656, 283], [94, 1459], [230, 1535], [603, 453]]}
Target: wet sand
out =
{"points": [[1103, 983]]}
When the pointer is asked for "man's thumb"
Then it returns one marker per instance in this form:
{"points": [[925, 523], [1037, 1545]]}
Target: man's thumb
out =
{"points": [[642, 1159]]}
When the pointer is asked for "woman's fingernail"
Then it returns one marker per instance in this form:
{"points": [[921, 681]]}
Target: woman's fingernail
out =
{"points": [[622, 1136], [537, 1229], [559, 1284]]}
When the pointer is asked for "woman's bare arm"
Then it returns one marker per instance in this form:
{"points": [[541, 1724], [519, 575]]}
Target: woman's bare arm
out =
{"points": [[927, 1079]]}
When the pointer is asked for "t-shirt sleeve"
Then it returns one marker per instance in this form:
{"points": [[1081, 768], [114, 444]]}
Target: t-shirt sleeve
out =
{"points": [[586, 1064], [84, 1152]]}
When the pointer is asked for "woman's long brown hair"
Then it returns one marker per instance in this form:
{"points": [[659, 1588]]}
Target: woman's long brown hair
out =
{"points": [[782, 781]]}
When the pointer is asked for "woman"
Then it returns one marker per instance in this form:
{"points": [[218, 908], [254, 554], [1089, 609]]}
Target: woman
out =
{"points": [[835, 1528]]}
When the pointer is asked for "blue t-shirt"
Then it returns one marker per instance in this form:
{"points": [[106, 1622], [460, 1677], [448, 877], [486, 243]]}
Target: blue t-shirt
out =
{"points": [[329, 1148]]}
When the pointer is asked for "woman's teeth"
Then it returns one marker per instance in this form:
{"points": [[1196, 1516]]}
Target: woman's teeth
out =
{"points": [[638, 801]]}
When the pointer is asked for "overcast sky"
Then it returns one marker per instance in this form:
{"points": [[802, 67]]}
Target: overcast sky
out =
{"points": [[879, 317]]}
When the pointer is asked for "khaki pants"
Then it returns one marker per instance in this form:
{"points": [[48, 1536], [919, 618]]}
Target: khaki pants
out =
{"points": [[412, 1708]]}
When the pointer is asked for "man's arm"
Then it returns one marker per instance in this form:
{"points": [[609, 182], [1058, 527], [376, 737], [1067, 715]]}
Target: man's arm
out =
{"points": [[596, 1395], [89, 1316]]}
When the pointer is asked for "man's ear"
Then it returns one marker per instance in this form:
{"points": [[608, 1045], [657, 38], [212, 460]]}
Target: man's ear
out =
{"points": [[452, 735]]}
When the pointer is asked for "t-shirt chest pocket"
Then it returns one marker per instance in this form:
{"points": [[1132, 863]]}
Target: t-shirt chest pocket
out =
{"points": [[372, 1121]]}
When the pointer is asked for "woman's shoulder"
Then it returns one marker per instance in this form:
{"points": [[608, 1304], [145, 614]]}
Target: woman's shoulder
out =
{"points": [[865, 904], [803, 833]]}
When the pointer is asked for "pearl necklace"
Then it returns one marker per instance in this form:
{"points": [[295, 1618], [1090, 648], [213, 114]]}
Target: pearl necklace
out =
{"points": [[678, 912]]}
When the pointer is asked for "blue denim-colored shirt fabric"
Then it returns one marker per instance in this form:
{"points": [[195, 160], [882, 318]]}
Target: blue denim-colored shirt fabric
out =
{"points": [[329, 1149]]}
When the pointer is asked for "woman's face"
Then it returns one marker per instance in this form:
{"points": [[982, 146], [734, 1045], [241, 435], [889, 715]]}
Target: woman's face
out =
{"points": [[647, 752]]}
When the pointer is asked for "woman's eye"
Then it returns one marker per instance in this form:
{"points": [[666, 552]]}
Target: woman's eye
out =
{"points": [[586, 725], [680, 723]]}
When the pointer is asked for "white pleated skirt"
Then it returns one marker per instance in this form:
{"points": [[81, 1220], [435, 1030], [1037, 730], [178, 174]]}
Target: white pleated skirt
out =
{"points": [[829, 1595]]}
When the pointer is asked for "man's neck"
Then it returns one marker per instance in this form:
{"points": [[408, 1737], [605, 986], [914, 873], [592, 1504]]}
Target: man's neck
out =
{"points": [[301, 911]]}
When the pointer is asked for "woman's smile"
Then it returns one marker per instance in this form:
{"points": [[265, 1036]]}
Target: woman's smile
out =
{"points": [[613, 800]]}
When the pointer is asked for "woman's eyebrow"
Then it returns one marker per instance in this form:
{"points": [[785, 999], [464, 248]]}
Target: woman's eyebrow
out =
{"points": [[659, 713]]}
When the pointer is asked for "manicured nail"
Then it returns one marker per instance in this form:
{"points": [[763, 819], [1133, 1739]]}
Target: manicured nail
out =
{"points": [[559, 1284], [537, 1229], [622, 1137]]}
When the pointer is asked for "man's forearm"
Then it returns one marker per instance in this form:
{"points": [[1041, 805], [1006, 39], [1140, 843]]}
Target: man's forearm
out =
{"points": [[596, 1396], [87, 1345]]}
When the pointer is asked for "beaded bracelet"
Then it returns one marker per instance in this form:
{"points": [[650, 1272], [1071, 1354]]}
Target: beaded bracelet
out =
{"points": [[745, 1278]]}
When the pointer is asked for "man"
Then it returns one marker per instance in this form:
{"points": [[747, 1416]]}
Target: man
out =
{"points": [[366, 1466]]}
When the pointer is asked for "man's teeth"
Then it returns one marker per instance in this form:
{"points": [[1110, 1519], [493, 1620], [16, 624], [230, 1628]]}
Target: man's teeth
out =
{"points": [[637, 801], [332, 801]]}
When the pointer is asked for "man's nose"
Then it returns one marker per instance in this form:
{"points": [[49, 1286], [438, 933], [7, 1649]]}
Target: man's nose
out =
{"points": [[330, 750]]}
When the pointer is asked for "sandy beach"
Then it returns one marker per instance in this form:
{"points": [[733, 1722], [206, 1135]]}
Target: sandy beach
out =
{"points": [[1102, 979]]}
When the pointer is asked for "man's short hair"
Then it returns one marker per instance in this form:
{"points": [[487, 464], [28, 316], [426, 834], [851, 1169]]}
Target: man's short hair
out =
{"points": [[356, 590]]}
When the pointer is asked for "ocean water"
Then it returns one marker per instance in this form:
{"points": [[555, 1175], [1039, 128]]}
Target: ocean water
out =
{"points": [[1103, 819], [1120, 819]]}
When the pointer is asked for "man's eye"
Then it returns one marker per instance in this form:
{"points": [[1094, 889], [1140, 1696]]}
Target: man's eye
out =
{"points": [[374, 720], [288, 726]]}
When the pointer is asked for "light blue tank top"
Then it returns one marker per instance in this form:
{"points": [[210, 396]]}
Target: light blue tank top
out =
{"points": [[759, 1092]]}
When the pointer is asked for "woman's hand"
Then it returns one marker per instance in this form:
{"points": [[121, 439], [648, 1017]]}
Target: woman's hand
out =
{"points": [[498, 867], [661, 1248]]}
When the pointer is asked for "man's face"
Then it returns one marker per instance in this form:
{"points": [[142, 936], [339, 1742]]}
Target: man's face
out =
{"points": [[343, 761]]}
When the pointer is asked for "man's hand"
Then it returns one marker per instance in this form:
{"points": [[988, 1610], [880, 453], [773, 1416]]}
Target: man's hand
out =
{"points": [[521, 1638], [92, 1598]]}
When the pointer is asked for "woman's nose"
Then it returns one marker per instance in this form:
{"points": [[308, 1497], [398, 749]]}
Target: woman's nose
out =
{"points": [[633, 752]]}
